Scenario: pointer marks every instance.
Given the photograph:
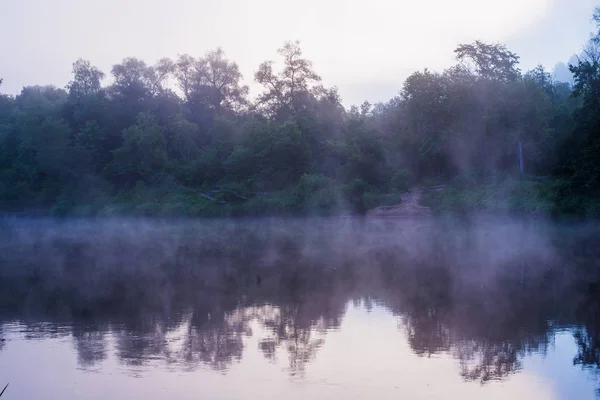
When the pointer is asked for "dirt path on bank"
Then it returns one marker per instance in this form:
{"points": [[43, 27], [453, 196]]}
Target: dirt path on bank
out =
{"points": [[409, 207]]}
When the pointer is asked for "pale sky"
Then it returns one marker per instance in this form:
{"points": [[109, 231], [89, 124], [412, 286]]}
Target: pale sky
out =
{"points": [[366, 48]]}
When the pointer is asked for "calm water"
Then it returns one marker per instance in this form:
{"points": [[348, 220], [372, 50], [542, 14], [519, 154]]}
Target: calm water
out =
{"points": [[297, 309]]}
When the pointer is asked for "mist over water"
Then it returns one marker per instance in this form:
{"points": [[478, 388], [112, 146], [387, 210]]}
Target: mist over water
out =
{"points": [[299, 308]]}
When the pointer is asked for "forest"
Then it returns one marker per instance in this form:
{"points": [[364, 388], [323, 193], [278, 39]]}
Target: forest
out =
{"points": [[183, 137]]}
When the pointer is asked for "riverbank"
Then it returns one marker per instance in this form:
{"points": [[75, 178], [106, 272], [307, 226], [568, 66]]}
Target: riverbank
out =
{"points": [[318, 197], [410, 207], [533, 196], [312, 196]]}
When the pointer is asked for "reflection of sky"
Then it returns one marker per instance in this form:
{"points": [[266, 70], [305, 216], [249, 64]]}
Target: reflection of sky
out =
{"points": [[395, 372], [567, 383], [367, 357]]}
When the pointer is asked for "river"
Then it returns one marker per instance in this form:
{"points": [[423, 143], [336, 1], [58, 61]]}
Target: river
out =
{"points": [[332, 308]]}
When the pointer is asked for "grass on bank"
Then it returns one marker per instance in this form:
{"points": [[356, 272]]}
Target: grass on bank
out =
{"points": [[314, 195], [318, 195], [527, 196]]}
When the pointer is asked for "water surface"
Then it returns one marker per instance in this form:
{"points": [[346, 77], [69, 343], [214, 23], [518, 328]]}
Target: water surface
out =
{"points": [[322, 309]]}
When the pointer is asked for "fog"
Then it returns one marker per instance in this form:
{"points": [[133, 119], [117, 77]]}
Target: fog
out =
{"points": [[166, 217], [485, 290]]}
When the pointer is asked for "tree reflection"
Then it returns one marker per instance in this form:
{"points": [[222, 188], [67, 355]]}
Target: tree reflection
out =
{"points": [[91, 345], [300, 328], [213, 338], [136, 348], [488, 329], [483, 361], [587, 333]]}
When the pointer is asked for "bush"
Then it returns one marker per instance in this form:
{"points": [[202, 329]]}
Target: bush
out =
{"points": [[276, 203], [325, 201], [318, 194], [353, 192], [445, 201], [402, 180], [527, 196], [61, 208], [468, 179], [310, 183]]}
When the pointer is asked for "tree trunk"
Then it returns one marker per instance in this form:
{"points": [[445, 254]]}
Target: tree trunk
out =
{"points": [[520, 153]]}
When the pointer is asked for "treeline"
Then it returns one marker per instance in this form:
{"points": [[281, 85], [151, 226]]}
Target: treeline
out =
{"points": [[183, 137]]}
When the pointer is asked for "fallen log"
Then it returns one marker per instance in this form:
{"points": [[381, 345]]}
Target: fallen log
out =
{"points": [[196, 191], [239, 196]]}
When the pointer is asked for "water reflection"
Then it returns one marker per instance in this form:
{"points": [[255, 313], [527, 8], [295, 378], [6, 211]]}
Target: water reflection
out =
{"points": [[187, 297]]}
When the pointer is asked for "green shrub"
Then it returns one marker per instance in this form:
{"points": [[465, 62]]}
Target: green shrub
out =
{"points": [[310, 183], [325, 201], [402, 180], [527, 196], [62, 207], [284, 202]]}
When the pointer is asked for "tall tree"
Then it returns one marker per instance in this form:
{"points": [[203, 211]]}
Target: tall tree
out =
{"points": [[87, 79], [284, 90], [584, 147], [86, 100], [490, 61], [495, 65], [138, 88], [541, 78], [142, 155], [223, 77], [137, 81], [428, 116], [40, 101], [213, 80]]}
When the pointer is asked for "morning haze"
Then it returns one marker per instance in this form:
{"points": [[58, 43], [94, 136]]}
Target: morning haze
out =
{"points": [[339, 200], [366, 50]]}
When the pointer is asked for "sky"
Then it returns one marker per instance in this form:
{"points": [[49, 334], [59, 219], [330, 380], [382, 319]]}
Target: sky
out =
{"points": [[365, 48]]}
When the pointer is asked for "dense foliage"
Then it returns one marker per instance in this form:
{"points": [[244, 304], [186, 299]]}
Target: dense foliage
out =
{"points": [[182, 137]]}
